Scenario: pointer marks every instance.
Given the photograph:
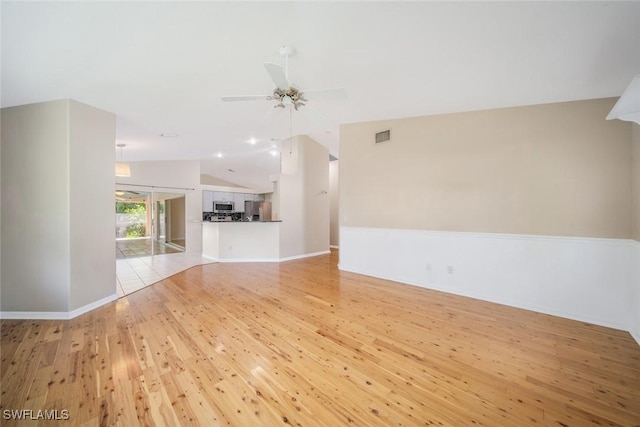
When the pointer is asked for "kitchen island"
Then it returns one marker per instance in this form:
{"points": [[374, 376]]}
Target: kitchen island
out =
{"points": [[235, 241]]}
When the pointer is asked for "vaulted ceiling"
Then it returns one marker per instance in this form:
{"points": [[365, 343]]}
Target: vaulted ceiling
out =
{"points": [[162, 67]]}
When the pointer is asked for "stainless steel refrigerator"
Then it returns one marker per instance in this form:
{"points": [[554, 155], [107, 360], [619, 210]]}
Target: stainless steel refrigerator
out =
{"points": [[257, 211]]}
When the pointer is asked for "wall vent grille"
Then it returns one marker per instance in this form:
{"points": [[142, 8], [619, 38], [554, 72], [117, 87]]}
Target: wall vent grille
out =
{"points": [[383, 136]]}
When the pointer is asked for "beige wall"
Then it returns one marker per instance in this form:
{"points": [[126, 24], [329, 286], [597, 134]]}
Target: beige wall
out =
{"points": [[57, 207], [34, 194], [334, 196], [177, 219], [554, 169], [635, 184], [212, 180], [92, 135], [635, 133], [303, 199]]}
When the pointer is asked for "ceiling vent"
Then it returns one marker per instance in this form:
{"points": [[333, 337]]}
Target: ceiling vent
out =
{"points": [[384, 136]]}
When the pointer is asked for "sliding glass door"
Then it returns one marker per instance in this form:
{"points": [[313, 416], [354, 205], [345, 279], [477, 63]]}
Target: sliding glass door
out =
{"points": [[149, 223]]}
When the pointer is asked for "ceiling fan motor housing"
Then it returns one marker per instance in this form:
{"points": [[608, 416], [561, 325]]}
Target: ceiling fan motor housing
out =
{"points": [[286, 51], [290, 96]]}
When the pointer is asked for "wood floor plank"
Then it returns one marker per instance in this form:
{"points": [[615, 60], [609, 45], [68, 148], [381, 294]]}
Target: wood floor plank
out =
{"points": [[302, 343]]}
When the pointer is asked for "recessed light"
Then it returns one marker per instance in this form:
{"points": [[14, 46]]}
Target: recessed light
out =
{"points": [[252, 141], [273, 152], [219, 155], [168, 135]]}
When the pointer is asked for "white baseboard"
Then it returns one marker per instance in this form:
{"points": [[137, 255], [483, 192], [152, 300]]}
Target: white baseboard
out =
{"points": [[309, 255], [56, 315], [334, 247], [291, 258], [634, 330], [34, 315], [106, 300], [585, 279]]}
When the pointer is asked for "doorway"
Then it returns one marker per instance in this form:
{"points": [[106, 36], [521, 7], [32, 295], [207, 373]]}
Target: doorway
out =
{"points": [[170, 220], [149, 223]]}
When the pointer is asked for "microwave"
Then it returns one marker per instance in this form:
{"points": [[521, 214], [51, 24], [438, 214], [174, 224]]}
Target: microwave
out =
{"points": [[222, 207]]}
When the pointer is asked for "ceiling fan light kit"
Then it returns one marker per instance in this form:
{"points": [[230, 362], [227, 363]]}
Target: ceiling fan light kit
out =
{"points": [[284, 93], [292, 96]]}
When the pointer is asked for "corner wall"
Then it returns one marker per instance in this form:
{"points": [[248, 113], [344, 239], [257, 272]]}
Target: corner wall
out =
{"points": [[334, 194], [527, 206], [635, 320], [303, 198], [35, 222], [92, 135], [57, 179]]}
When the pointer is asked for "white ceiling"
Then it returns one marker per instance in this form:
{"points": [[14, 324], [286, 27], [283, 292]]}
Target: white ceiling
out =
{"points": [[162, 67]]}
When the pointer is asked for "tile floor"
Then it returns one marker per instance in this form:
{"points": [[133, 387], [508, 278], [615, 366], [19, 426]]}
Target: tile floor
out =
{"points": [[138, 247], [133, 274]]}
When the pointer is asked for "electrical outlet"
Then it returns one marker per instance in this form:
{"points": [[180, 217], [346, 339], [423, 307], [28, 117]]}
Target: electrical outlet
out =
{"points": [[450, 269]]}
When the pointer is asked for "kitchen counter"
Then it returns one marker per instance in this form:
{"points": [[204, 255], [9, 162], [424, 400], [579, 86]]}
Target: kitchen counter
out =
{"points": [[241, 241], [246, 222]]}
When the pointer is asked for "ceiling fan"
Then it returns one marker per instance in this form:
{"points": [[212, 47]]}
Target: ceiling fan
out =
{"points": [[284, 93]]}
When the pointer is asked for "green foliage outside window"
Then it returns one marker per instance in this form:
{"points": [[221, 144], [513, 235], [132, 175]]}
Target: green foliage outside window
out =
{"points": [[133, 216], [131, 208], [136, 230]]}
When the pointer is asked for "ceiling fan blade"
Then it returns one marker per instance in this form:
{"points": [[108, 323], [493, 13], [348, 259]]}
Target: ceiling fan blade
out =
{"points": [[277, 75], [325, 94], [246, 98], [318, 120]]}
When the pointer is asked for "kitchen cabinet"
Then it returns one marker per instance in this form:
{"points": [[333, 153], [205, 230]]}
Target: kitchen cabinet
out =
{"points": [[255, 197], [222, 196], [207, 201], [238, 201]]}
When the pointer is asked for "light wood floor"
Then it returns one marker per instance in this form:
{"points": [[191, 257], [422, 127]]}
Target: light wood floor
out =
{"points": [[301, 343]]}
